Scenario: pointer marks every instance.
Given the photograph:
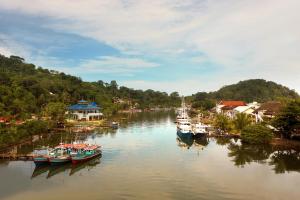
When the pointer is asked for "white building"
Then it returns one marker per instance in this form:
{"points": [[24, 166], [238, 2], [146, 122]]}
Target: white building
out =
{"points": [[85, 111]]}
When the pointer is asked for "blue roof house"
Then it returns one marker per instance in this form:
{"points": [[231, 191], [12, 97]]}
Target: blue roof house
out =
{"points": [[85, 111]]}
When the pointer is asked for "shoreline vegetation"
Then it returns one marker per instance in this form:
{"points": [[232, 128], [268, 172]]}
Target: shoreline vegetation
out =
{"points": [[34, 101]]}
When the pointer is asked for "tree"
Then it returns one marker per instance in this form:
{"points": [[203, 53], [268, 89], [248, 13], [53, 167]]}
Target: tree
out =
{"points": [[55, 110], [256, 134], [222, 123], [288, 120], [241, 121]]}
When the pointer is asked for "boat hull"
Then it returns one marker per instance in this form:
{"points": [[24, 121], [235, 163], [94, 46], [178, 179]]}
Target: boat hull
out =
{"points": [[59, 161], [187, 134], [76, 160], [41, 160]]}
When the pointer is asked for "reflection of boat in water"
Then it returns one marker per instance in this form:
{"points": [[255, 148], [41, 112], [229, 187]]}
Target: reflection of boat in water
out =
{"points": [[89, 164], [187, 142], [53, 170], [38, 170]]}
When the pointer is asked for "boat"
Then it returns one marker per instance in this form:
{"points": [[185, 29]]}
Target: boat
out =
{"points": [[184, 129], [86, 153], [41, 156], [61, 154], [199, 129], [182, 115]]}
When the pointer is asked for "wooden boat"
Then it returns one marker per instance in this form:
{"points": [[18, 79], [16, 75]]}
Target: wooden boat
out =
{"points": [[41, 156], [40, 160], [61, 154], [86, 153]]}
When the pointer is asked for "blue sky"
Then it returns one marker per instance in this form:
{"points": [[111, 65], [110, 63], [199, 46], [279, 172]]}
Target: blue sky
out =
{"points": [[167, 45]]}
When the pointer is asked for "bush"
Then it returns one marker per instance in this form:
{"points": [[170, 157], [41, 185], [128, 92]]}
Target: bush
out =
{"points": [[256, 134]]}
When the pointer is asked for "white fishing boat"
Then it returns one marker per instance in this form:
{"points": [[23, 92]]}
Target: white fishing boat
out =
{"points": [[199, 129], [184, 129], [182, 115]]}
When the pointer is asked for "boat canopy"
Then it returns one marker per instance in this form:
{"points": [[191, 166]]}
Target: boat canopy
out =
{"points": [[92, 147]]}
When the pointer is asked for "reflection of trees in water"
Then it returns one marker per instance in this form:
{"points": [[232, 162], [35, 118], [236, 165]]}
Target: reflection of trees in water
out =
{"points": [[287, 160], [282, 160], [149, 117], [246, 153], [223, 140]]}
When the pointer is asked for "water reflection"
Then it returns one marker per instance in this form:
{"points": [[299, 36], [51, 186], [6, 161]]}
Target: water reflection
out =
{"points": [[54, 170], [188, 142], [282, 160]]}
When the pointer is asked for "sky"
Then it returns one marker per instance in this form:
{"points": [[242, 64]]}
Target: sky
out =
{"points": [[166, 45]]}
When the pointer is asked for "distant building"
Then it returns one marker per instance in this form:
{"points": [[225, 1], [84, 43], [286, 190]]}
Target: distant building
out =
{"points": [[227, 107], [268, 110], [85, 111]]}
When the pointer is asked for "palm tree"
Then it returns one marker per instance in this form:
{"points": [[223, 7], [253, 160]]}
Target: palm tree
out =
{"points": [[222, 123], [241, 121]]}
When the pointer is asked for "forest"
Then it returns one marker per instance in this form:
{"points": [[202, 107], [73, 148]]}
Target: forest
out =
{"points": [[26, 90], [258, 90]]}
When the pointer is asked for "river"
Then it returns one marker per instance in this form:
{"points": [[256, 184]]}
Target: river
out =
{"points": [[145, 159]]}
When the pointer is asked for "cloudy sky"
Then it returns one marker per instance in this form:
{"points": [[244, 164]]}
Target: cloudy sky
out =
{"points": [[167, 45]]}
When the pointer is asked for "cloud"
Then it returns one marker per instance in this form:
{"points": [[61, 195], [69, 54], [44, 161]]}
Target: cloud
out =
{"points": [[108, 65], [249, 38], [111, 64]]}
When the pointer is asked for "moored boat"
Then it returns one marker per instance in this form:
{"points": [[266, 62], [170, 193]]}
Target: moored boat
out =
{"points": [[199, 129], [86, 153], [41, 156], [61, 154], [40, 160]]}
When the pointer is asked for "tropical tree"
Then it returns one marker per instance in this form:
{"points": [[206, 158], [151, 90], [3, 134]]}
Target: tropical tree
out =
{"points": [[288, 120], [256, 134], [222, 123], [55, 110], [241, 121]]}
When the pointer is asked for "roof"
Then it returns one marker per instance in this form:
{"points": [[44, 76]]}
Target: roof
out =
{"points": [[88, 106], [233, 103], [270, 107], [242, 108]]}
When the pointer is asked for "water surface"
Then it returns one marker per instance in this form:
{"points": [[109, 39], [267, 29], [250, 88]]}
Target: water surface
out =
{"points": [[145, 159]]}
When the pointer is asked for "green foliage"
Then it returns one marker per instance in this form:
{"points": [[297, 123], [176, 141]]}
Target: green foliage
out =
{"points": [[241, 121], [256, 134], [249, 90], [13, 134], [288, 120], [222, 123], [26, 90], [55, 110]]}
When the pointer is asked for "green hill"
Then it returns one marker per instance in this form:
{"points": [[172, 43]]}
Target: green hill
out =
{"points": [[249, 90], [26, 89], [254, 90]]}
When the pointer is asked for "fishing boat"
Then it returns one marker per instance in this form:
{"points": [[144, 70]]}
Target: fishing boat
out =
{"points": [[199, 129], [86, 153], [41, 156], [61, 154], [184, 129]]}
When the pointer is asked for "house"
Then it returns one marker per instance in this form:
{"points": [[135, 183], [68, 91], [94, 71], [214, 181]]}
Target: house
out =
{"points": [[248, 109], [85, 111], [267, 110], [227, 107]]}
